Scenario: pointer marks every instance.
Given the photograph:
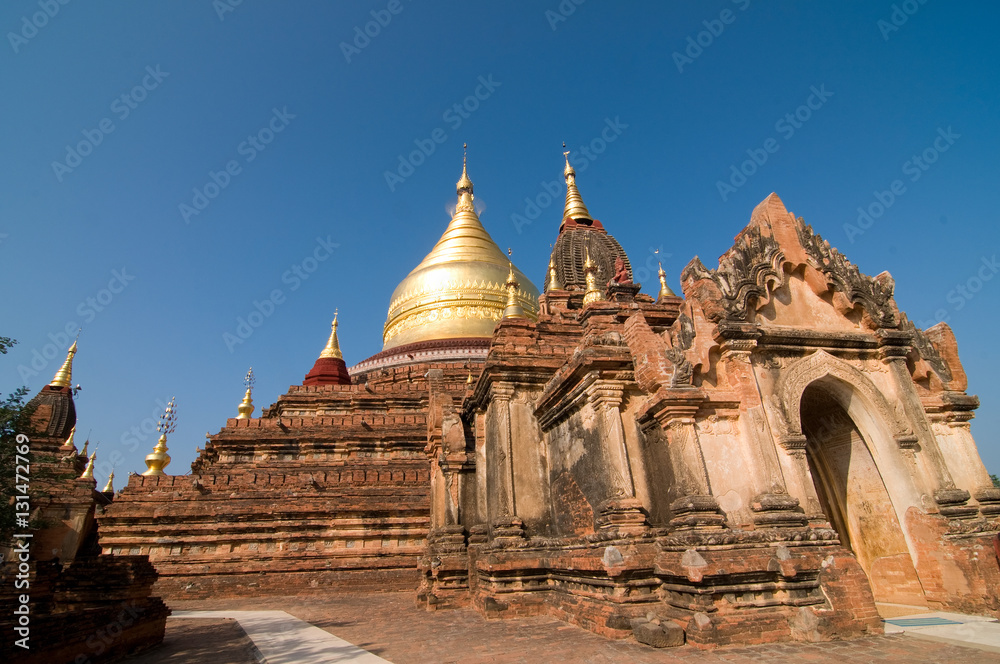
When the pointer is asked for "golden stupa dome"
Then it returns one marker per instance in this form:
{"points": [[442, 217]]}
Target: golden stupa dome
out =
{"points": [[459, 290]]}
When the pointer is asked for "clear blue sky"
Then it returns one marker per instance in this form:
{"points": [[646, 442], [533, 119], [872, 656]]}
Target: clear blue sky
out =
{"points": [[199, 81]]}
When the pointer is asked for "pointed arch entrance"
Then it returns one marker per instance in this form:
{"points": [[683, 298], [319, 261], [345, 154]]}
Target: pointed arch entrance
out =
{"points": [[840, 436]]}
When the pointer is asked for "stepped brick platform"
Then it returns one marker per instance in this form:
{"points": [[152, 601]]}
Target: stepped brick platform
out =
{"points": [[329, 488]]}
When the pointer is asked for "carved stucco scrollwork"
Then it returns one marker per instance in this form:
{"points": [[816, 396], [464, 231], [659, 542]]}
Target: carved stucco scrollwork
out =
{"points": [[715, 425], [745, 273], [926, 349], [786, 400], [874, 294]]}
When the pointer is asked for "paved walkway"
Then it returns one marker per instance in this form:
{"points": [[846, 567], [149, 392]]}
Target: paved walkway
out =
{"points": [[389, 627], [953, 628], [284, 639], [199, 641]]}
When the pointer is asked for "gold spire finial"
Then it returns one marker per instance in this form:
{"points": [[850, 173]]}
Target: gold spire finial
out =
{"points": [[464, 187], [665, 290], [468, 381], [69, 444], [245, 409], [88, 472], [64, 377], [159, 459], [513, 309], [553, 277], [86, 444], [574, 209], [332, 349], [593, 293], [109, 487]]}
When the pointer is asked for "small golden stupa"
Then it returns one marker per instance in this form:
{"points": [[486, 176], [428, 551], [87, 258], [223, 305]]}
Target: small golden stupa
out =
{"points": [[159, 459], [245, 409]]}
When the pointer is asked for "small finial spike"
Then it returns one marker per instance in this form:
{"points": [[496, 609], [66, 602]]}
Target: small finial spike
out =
{"points": [[553, 277], [64, 377], [568, 172], [69, 445], [464, 187], [159, 459], [88, 472], [245, 409], [593, 293], [332, 349], [574, 208], [110, 486], [513, 308], [665, 290]]}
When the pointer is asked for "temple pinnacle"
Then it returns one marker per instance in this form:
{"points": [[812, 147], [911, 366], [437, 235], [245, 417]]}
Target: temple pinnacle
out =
{"points": [[69, 445], [553, 277], [665, 290], [464, 187], [332, 349], [88, 472], [464, 183], [64, 376], [593, 293], [159, 459], [245, 409], [109, 487], [574, 209], [513, 309]]}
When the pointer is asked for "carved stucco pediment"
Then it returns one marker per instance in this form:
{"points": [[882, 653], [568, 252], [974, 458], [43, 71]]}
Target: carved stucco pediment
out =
{"points": [[874, 294], [927, 352], [758, 264], [743, 277]]}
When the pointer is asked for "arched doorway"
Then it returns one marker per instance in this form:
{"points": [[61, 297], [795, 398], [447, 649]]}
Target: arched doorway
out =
{"points": [[853, 495]]}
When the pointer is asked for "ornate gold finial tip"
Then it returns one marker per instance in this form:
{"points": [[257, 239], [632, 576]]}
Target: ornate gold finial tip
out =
{"points": [[553, 277], [513, 308], [464, 183], [159, 459], [64, 377], [332, 348], [88, 472], [665, 290], [568, 171], [109, 487], [245, 409], [69, 441]]}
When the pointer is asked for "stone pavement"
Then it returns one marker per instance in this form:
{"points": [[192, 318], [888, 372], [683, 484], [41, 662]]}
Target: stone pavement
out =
{"points": [[190, 641], [390, 626], [284, 639], [954, 628]]}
